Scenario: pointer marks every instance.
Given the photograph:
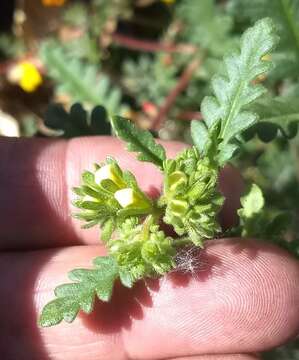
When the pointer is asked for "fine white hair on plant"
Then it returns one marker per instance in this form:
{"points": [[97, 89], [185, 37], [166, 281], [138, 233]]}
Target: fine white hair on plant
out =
{"points": [[189, 260]]}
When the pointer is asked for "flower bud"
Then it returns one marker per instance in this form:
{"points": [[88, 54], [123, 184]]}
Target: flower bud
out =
{"points": [[191, 196], [178, 207], [177, 180]]}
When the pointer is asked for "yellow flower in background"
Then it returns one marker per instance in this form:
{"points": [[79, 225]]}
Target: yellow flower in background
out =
{"points": [[53, 2], [26, 75], [168, 2]]}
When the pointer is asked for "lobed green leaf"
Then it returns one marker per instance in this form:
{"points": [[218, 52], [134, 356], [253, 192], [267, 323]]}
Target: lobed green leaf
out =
{"points": [[227, 109], [200, 135], [285, 14], [77, 122], [88, 87], [140, 141], [73, 297], [278, 116], [252, 202]]}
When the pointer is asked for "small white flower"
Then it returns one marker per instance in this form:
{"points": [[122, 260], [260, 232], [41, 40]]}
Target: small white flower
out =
{"points": [[107, 172], [126, 197]]}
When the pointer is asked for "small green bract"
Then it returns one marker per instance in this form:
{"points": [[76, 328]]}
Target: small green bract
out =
{"points": [[130, 222]]}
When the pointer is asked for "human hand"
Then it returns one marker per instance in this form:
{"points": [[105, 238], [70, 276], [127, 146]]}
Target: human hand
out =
{"points": [[243, 299]]}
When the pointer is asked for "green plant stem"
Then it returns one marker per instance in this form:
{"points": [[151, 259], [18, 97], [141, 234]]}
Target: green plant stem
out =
{"points": [[181, 242]]}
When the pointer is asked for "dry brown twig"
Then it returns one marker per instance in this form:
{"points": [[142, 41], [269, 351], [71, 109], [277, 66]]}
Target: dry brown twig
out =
{"points": [[175, 92], [152, 46]]}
